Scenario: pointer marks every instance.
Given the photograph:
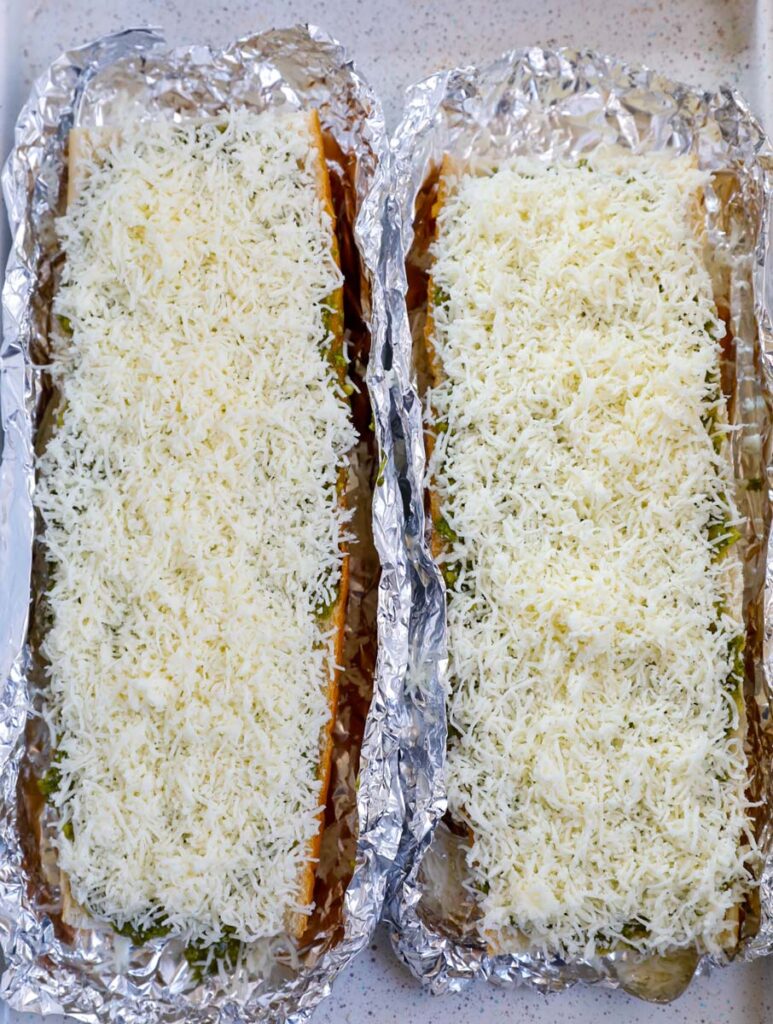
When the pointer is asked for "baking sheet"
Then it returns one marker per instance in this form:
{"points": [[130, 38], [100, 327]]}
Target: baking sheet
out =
{"points": [[704, 42], [558, 104], [92, 972]]}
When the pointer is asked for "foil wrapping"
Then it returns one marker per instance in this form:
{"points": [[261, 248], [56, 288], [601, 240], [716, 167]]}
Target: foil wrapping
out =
{"points": [[559, 104], [94, 974]]}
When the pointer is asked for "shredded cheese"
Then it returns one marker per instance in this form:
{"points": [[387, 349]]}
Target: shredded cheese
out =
{"points": [[594, 747], [188, 493]]}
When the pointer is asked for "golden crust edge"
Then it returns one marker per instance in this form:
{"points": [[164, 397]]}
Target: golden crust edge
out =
{"points": [[297, 921]]}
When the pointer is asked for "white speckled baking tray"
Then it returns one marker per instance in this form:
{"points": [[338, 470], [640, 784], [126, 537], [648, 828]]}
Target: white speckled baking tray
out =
{"points": [[395, 42]]}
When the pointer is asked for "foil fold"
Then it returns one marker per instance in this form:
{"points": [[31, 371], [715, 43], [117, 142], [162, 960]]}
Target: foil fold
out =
{"points": [[92, 974], [558, 104]]}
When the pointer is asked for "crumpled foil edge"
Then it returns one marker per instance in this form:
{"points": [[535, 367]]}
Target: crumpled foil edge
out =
{"points": [[40, 974], [443, 113]]}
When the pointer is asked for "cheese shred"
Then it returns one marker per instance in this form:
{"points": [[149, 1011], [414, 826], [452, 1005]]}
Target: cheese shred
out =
{"points": [[192, 525], [594, 615]]}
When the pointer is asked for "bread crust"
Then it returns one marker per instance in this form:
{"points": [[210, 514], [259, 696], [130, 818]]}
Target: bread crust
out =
{"points": [[82, 145], [337, 618], [434, 368]]}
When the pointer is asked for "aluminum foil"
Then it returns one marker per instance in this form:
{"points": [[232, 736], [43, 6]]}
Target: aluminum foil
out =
{"points": [[94, 974], [559, 104]]}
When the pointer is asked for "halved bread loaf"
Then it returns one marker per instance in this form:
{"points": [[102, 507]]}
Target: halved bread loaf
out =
{"points": [[87, 147], [508, 938]]}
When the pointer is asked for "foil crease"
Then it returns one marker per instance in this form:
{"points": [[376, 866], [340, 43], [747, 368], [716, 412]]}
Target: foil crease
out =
{"points": [[559, 104], [92, 974]]}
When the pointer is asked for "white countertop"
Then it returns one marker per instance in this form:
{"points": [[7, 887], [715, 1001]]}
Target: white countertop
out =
{"points": [[395, 42]]}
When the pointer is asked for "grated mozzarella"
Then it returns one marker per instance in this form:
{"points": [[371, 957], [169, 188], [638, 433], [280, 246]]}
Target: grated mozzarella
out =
{"points": [[594, 746], [192, 523]]}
